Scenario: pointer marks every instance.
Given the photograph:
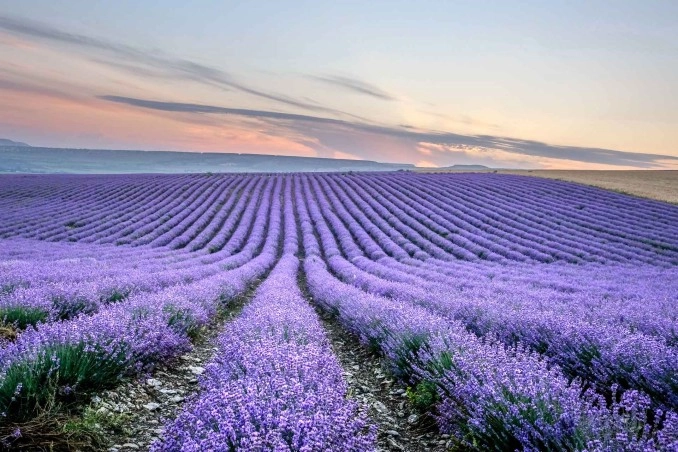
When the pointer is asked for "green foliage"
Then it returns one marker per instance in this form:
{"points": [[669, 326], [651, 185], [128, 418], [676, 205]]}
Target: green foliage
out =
{"points": [[23, 316], [67, 308], [410, 346], [54, 375], [116, 295], [423, 396], [95, 425], [444, 363], [182, 320]]}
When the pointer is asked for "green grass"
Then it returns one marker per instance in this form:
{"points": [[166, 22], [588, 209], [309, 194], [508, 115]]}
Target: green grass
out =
{"points": [[56, 375], [423, 396], [22, 316]]}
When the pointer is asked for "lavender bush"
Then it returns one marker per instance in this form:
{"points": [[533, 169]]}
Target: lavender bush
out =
{"points": [[524, 313]]}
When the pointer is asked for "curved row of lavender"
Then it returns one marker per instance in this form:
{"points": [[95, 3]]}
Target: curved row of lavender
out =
{"points": [[274, 383], [486, 393], [84, 339], [604, 355], [525, 313]]}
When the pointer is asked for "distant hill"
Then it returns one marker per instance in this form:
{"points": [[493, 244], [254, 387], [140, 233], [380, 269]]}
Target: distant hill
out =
{"points": [[466, 167], [17, 144], [15, 158]]}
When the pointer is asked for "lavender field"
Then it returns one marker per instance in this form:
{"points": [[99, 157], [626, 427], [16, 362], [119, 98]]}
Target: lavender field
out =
{"points": [[509, 312]]}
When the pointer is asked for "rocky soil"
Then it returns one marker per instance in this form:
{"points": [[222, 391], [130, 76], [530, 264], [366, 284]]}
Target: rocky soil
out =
{"points": [[146, 404], [400, 426]]}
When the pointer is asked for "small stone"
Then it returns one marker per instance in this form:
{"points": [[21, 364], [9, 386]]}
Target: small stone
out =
{"points": [[356, 367], [113, 449], [158, 431], [103, 411], [168, 391], [412, 419], [395, 445], [379, 406], [176, 399], [153, 382], [392, 433], [196, 370], [192, 380], [130, 446], [152, 406]]}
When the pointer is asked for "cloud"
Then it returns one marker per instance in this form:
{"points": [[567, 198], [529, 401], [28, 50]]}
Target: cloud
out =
{"points": [[433, 143], [28, 88], [200, 108], [425, 164], [147, 63], [354, 85]]}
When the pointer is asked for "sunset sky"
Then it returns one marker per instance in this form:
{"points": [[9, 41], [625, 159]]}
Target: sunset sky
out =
{"points": [[539, 84]]}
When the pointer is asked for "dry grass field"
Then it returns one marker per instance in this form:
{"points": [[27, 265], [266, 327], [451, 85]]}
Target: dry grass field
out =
{"points": [[653, 184], [661, 185]]}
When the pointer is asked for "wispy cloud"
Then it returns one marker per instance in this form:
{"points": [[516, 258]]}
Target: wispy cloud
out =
{"points": [[200, 108], [354, 85], [151, 63], [308, 123], [448, 141]]}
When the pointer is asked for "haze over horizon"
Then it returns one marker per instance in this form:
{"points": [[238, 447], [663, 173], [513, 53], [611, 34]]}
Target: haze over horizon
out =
{"points": [[576, 85]]}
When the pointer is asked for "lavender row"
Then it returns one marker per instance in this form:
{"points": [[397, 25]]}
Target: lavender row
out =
{"points": [[644, 219], [90, 352], [274, 383], [623, 248], [455, 224], [601, 354], [551, 294], [54, 301], [63, 210], [488, 395], [657, 293]]}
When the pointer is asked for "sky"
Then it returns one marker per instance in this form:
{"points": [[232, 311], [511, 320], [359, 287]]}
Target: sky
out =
{"points": [[511, 84]]}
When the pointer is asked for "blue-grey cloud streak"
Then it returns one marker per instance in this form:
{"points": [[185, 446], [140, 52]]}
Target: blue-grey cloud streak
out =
{"points": [[413, 135], [354, 85], [147, 63]]}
